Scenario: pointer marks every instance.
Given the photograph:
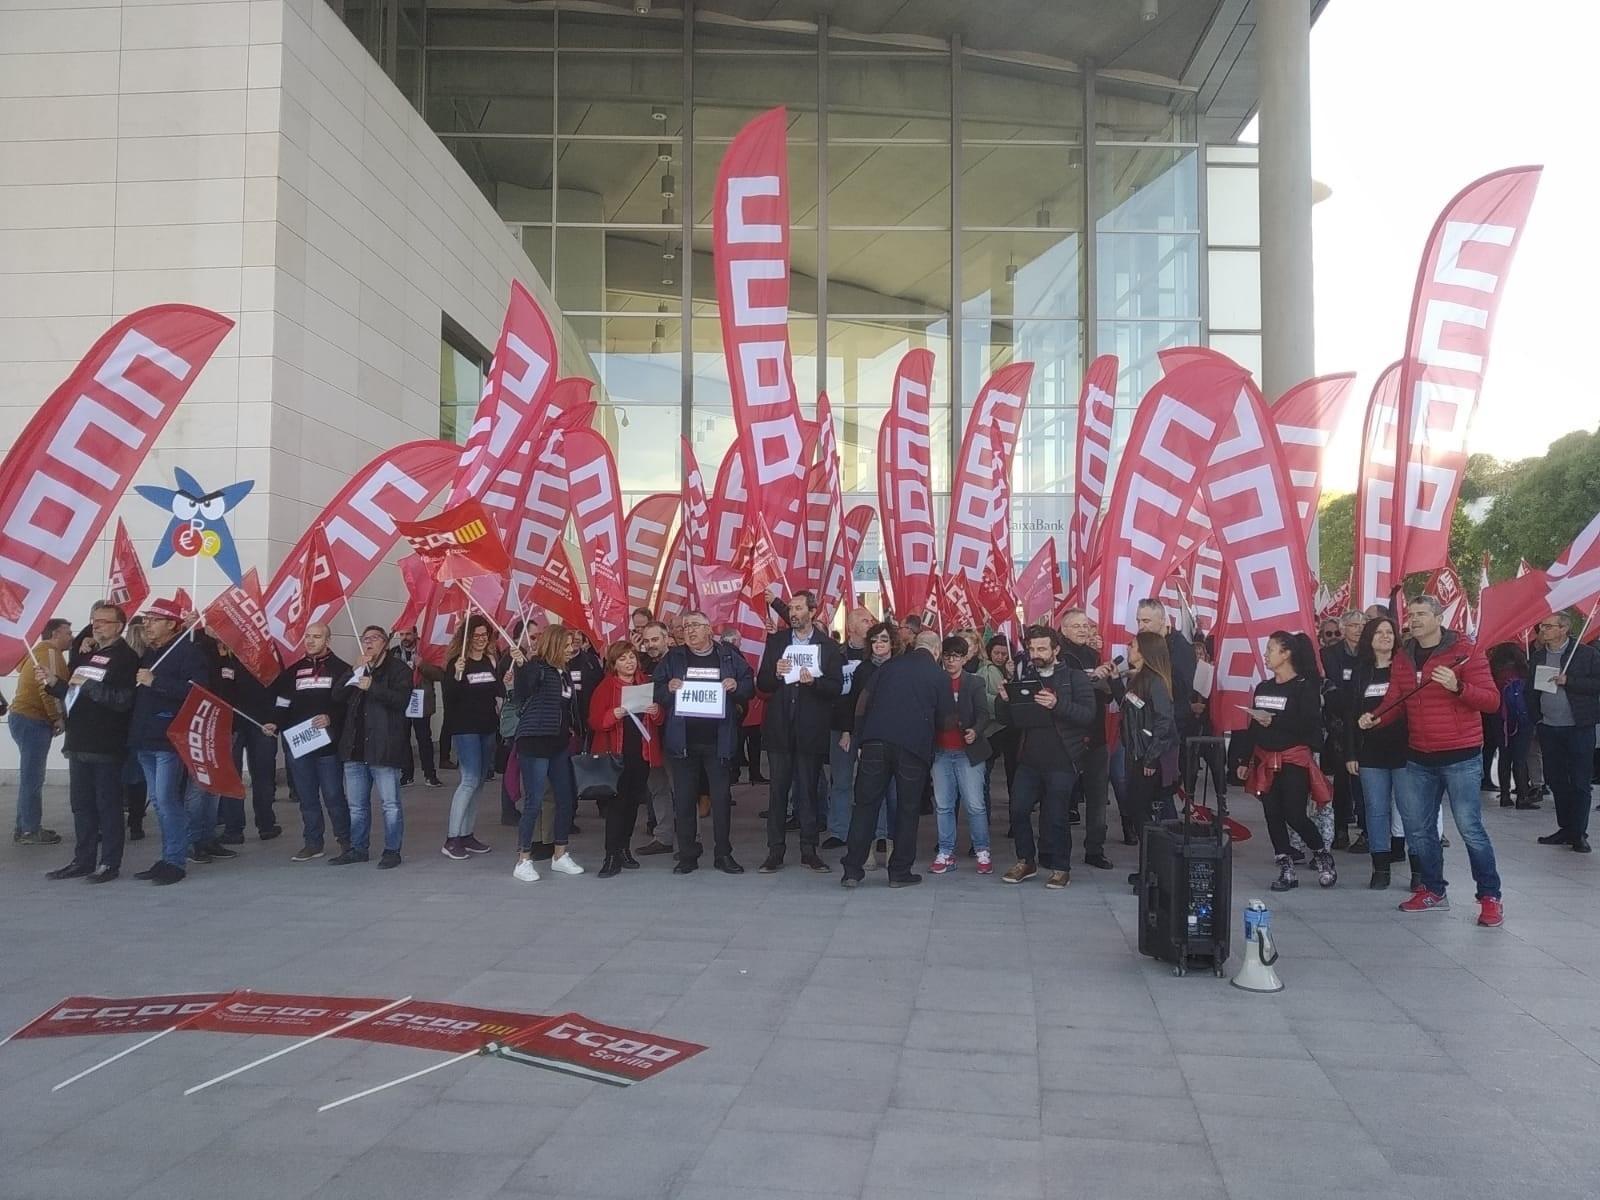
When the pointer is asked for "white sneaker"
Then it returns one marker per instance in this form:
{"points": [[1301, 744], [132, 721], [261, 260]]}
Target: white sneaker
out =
{"points": [[566, 865], [524, 871]]}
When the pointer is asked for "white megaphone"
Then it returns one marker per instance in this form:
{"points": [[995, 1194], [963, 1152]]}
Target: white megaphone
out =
{"points": [[1255, 971]]}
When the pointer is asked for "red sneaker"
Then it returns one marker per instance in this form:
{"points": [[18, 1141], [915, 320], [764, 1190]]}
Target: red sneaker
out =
{"points": [[1423, 900], [1491, 913], [985, 863]]}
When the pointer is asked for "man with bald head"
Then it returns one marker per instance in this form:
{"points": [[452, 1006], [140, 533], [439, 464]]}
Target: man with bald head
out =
{"points": [[905, 703], [305, 692]]}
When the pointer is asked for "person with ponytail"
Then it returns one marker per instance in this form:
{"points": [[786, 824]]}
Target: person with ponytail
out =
{"points": [[634, 735], [1276, 754]]}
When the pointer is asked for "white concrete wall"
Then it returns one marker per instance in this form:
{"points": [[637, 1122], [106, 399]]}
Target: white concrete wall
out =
{"points": [[252, 158]]}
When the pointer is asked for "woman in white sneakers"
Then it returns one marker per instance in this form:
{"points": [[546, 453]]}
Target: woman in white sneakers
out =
{"points": [[546, 724]]}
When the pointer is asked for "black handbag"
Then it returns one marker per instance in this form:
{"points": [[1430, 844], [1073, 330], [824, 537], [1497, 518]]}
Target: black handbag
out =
{"points": [[595, 776]]}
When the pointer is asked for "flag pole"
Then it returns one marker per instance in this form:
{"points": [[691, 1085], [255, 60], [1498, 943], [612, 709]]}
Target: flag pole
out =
{"points": [[1578, 637], [495, 625], [316, 1037]]}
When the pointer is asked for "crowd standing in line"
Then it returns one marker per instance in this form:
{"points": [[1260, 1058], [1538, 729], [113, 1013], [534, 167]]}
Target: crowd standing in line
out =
{"points": [[1390, 720]]}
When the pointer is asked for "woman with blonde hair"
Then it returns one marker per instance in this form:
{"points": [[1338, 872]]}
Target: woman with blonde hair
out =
{"points": [[546, 723]]}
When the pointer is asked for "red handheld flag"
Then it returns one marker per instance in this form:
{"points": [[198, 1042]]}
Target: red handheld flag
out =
{"points": [[127, 586], [202, 734], [238, 620], [318, 593], [459, 543]]}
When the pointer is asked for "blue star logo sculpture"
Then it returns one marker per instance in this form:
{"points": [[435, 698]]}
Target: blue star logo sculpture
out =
{"points": [[197, 527]]}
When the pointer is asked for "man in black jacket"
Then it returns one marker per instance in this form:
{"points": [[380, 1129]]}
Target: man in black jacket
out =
{"points": [[695, 744], [1052, 704], [374, 745], [795, 730], [1338, 668], [423, 678], [1094, 775], [257, 701], [305, 693], [904, 703], [1565, 711], [99, 705]]}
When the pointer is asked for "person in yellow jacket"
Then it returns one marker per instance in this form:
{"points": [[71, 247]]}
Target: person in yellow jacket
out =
{"points": [[34, 719]]}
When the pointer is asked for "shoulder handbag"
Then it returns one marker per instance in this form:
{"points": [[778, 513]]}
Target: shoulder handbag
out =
{"points": [[596, 775]]}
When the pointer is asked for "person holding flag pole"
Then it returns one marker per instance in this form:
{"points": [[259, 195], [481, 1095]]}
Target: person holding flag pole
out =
{"points": [[1565, 706], [168, 668]]}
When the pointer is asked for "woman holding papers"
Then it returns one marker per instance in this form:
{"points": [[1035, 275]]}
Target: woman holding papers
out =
{"points": [[625, 719], [472, 694], [546, 723], [1277, 748]]}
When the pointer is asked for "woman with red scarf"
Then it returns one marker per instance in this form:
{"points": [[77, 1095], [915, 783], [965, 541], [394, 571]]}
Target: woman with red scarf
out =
{"points": [[634, 735], [1277, 749]]}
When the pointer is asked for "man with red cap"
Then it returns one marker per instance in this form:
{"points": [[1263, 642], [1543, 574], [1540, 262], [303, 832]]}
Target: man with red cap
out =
{"points": [[166, 673]]}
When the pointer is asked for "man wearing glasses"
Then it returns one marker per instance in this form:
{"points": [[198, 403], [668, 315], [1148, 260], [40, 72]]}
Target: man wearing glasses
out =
{"points": [[695, 739], [1565, 703]]}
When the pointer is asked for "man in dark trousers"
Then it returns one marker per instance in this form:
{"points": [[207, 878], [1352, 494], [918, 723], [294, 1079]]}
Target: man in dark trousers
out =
{"points": [[1094, 778], [1052, 705], [1565, 711], [257, 701], [905, 702], [802, 674], [305, 692], [693, 744], [1338, 669], [101, 688]]}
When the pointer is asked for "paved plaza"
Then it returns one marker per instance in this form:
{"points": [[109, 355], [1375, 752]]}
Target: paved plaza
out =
{"points": [[962, 1038]]}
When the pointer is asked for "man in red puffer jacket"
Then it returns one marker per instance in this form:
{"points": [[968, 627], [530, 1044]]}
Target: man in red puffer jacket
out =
{"points": [[1442, 685]]}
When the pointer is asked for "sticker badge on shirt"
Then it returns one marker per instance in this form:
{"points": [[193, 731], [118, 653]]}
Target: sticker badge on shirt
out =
{"points": [[1376, 691], [480, 677], [1272, 703], [311, 683], [703, 673], [1347, 673], [227, 673]]}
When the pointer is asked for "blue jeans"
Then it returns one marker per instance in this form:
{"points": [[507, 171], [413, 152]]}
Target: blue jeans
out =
{"points": [[359, 780], [536, 772], [1380, 792], [955, 777], [33, 744], [1422, 788], [202, 808], [164, 781], [313, 774], [841, 785], [474, 755]]}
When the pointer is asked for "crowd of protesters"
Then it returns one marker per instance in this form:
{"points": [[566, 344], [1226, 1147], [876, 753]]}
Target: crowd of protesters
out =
{"points": [[1356, 745]]}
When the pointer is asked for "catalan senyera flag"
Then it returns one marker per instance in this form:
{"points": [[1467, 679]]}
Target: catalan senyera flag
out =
{"points": [[459, 543]]}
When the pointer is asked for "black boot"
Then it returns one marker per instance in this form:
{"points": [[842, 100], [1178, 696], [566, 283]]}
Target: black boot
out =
{"points": [[1380, 872], [1360, 846], [1397, 850], [1416, 872], [612, 866], [1341, 839], [1285, 880], [1506, 801]]}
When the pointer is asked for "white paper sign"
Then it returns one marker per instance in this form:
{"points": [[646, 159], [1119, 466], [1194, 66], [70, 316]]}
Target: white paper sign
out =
{"points": [[71, 697], [1544, 679], [1204, 676], [702, 698], [415, 705], [304, 738], [806, 656], [849, 677], [636, 697]]}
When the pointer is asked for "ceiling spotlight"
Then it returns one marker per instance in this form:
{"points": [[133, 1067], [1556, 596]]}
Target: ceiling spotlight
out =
{"points": [[1041, 219], [669, 186], [669, 215], [1149, 10], [664, 152], [655, 346], [658, 114], [669, 249], [660, 332], [1011, 272], [641, 6]]}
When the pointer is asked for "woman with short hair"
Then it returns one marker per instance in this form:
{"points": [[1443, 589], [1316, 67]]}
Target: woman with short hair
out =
{"points": [[636, 736]]}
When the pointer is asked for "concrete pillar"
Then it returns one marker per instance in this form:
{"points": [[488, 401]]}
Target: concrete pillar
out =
{"points": [[1283, 49]]}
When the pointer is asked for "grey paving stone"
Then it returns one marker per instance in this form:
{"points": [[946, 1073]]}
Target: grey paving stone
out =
{"points": [[905, 1162], [784, 1162]]}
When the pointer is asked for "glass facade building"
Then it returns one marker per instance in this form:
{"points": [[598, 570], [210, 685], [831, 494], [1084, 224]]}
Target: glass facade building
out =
{"points": [[990, 207]]}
